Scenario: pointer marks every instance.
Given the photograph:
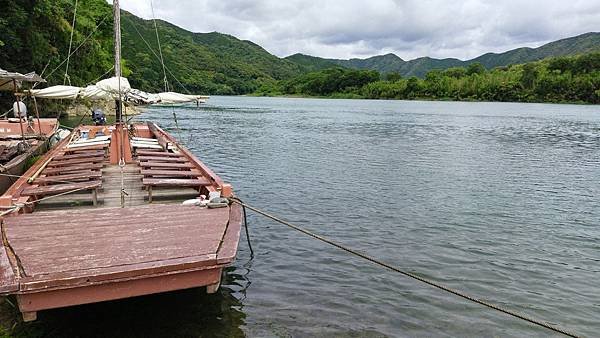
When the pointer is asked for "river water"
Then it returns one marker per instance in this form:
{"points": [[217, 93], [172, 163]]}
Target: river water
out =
{"points": [[500, 200]]}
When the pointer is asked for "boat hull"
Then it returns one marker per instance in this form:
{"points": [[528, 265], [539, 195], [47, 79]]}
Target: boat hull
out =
{"points": [[64, 250], [17, 166]]}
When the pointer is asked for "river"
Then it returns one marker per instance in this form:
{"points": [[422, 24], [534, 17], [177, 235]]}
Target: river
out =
{"points": [[500, 200]]}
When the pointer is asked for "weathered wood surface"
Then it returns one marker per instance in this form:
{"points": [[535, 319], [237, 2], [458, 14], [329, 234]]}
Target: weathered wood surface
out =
{"points": [[93, 242], [228, 248], [156, 153], [158, 158], [83, 154], [164, 143], [86, 148], [120, 288], [176, 182], [166, 165], [85, 175], [170, 173], [8, 281], [59, 188], [145, 145], [77, 254], [78, 167], [64, 163]]}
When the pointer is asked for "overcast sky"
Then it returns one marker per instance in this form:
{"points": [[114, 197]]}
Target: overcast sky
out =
{"points": [[363, 28]]}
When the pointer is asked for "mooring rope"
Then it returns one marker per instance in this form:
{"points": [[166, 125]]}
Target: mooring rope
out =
{"points": [[410, 274], [246, 227]]}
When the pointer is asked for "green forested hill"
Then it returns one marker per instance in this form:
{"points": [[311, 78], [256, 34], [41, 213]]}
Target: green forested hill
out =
{"points": [[560, 79], [581, 44], [211, 63], [34, 36]]}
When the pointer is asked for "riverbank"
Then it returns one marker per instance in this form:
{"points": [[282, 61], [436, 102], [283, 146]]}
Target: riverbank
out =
{"points": [[345, 96], [556, 80], [107, 107]]}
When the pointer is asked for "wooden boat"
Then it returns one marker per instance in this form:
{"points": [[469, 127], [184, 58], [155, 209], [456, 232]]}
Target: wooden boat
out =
{"points": [[120, 229], [17, 149], [100, 216]]}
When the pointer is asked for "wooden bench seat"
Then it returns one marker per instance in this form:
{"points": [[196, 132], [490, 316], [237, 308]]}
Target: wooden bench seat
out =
{"points": [[86, 148], [173, 182], [162, 159], [63, 188], [172, 173], [74, 176], [156, 153], [78, 167], [166, 165], [146, 145], [83, 154], [62, 163]]}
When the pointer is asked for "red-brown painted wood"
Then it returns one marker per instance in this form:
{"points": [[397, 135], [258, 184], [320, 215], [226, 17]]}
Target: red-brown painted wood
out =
{"points": [[166, 165], [79, 255], [8, 281], [59, 188], [176, 182], [156, 153], [66, 163], [86, 148], [231, 238], [85, 175], [78, 167], [35, 301], [170, 173], [83, 154], [157, 158]]}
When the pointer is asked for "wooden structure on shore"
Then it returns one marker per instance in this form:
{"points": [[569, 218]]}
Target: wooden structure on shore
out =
{"points": [[100, 217]]}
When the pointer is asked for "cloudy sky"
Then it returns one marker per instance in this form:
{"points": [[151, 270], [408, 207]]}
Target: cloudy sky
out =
{"points": [[363, 28]]}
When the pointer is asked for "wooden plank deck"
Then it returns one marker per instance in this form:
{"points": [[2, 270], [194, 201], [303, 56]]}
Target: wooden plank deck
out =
{"points": [[70, 257], [67, 252], [54, 242]]}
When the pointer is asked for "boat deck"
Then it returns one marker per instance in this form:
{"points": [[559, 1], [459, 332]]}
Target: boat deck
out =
{"points": [[79, 242]]}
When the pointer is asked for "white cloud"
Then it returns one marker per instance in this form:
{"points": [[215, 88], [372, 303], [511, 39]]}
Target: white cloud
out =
{"points": [[358, 28]]}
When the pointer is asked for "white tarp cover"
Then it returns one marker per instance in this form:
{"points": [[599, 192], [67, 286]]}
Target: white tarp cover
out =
{"points": [[6, 79], [172, 97], [108, 89]]}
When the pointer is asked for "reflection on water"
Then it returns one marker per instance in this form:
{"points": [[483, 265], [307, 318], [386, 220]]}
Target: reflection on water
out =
{"points": [[497, 199]]}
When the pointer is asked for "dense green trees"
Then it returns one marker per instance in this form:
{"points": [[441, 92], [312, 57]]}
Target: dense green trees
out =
{"points": [[34, 36], [564, 79]]}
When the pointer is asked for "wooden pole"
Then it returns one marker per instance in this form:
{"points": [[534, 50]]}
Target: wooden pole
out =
{"points": [[37, 114], [117, 30]]}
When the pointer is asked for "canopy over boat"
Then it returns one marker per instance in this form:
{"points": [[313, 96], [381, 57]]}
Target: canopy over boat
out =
{"points": [[8, 80], [109, 90]]}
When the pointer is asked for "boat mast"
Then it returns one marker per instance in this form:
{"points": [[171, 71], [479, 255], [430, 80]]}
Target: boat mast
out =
{"points": [[117, 30]]}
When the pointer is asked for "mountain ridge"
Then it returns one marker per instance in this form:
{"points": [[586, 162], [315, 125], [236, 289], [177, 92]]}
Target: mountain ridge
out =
{"points": [[579, 44]]}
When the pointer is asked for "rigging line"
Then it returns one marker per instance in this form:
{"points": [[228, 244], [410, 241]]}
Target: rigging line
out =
{"points": [[162, 60], [156, 55], [70, 45], [75, 50], [103, 75], [410, 274]]}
